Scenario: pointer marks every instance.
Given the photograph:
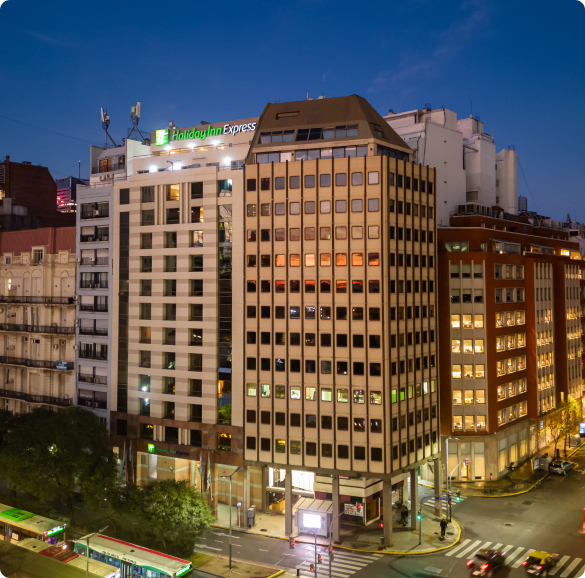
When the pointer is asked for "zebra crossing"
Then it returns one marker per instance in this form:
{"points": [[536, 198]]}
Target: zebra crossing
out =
{"points": [[516, 555], [430, 502], [343, 566]]}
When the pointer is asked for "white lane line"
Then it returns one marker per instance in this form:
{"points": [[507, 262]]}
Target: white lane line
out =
{"points": [[344, 565], [470, 549], [218, 541], [513, 555], [350, 561], [463, 544], [262, 550], [354, 556], [559, 565], [571, 567], [333, 572], [208, 547], [580, 572], [521, 559]]}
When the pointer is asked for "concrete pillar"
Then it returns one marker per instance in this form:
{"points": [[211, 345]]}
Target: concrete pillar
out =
{"points": [[387, 499], [438, 486], [413, 498], [335, 500], [288, 519], [192, 472], [247, 499], [264, 478]]}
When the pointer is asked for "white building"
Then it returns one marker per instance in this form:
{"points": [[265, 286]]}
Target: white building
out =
{"points": [[468, 168]]}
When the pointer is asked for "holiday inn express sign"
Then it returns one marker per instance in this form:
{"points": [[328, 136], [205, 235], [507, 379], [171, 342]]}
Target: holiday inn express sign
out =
{"points": [[166, 135]]}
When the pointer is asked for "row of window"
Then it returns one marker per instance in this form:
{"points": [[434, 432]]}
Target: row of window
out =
{"points": [[170, 263], [465, 271], [357, 260], [467, 321], [509, 271], [513, 412], [509, 295], [510, 318], [544, 316], [194, 361], [466, 295], [359, 452], [168, 385], [544, 359], [172, 216], [511, 341], [194, 336], [467, 371], [326, 366], [170, 239], [469, 423], [403, 339], [512, 389], [544, 337], [469, 396], [511, 365], [467, 346]]}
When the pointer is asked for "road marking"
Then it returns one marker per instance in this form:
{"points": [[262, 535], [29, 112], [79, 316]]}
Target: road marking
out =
{"points": [[513, 555], [467, 550], [482, 547], [560, 564], [571, 567], [580, 572], [433, 570], [262, 550], [226, 535], [354, 567], [333, 572], [521, 559], [508, 549], [208, 547], [463, 544], [497, 547], [218, 541]]}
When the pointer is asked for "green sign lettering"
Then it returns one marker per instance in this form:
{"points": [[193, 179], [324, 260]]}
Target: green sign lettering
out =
{"points": [[162, 137]]}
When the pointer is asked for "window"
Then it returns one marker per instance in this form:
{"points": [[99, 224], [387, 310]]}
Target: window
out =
{"points": [[356, 179], [197, 214], [373, 178]]}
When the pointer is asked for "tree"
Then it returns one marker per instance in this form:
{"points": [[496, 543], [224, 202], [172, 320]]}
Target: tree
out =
{"points": [[6, 424], [176, 512], [49, 454], [554, 428], [570, 418]]}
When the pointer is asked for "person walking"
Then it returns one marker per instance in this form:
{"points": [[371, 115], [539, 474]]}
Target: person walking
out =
{"points": [[404, 515], [443, 524]]}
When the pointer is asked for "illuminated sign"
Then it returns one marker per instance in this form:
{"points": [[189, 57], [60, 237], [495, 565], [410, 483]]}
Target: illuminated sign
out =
{"points": [[183, 570], [164, 136], [154, 449], [55, 530], [582, 429], [353, 510], [312, 521]]}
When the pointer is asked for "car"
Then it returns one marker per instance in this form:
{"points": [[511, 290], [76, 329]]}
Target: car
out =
{"points": [[560, 467], [486, 562], [539, 563]]}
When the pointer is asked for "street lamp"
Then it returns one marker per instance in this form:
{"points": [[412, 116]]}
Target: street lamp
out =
{"points": [[315, 536], [330, 542], [87, 552], [230, 479]]}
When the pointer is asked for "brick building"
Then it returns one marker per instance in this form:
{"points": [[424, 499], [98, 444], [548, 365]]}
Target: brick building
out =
{"points": [[509, 336]]}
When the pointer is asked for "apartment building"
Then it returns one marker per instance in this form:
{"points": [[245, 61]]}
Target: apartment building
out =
{"points": [[176, 386], [469, 170], [94, 233], [37, 313], [340, 377], [510, 337]]}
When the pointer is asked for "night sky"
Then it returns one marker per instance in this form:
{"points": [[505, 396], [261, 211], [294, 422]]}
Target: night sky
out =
{"points": [[521, 62]]}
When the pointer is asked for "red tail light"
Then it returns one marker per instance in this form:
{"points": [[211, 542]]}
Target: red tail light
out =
{"points": [[470, 562], [539, 567], [525, 562], [484, 567]]}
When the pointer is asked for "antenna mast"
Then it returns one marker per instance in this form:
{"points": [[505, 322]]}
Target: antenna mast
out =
{"points": [[135, 116], [105, 125]]}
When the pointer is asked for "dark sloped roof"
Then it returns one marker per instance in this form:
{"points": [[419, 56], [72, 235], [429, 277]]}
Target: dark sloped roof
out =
{"points": [[328, 112]]}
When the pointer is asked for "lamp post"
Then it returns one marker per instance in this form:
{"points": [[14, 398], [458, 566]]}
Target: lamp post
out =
{"points": [[447, 460], [315, 536], [330, 542], [230, 479], [87, 551]]}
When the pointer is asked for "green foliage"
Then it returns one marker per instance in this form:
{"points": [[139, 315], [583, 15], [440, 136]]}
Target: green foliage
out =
{"points": [[49, 453], [225, 413], [165, 515]]}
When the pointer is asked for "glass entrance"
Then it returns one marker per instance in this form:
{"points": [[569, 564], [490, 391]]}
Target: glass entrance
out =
{"points": [[125, 569]]}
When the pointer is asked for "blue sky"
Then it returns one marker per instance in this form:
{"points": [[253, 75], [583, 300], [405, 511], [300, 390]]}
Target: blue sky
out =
{"points": [[521, 62]]}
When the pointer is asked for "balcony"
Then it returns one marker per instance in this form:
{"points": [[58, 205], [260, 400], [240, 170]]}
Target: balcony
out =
{"points": [[90, 354], [37, 300], [92, 403], [90, 285], [48, 400], [107, 168], [95, 214], [9, 360], [94, 308], [97, 379], [37, 329], [100, 238], [93, 331], [97, 262]]}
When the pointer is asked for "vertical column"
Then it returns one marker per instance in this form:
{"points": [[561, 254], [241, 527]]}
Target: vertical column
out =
{"points": [[192, 472], [413, 498], [335, 500], [264, 478], [387, 499], [438, 486], [246, 503], [288, 525]]}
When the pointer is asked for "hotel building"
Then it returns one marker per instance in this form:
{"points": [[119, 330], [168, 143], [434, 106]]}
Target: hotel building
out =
{"points": [[510, 336]]}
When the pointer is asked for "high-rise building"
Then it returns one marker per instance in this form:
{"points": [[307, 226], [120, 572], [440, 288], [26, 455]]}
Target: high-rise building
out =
{"points": [[510, 337], [37, 313], [67, 193], [340, 377]]}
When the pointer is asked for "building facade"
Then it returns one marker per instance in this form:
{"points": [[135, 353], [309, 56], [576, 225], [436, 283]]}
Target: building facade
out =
{"points": [[37, 313], [510, 338], [340, 374], [67, 193]]}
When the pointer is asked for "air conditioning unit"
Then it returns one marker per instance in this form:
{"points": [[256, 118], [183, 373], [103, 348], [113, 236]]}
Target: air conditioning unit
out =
{"points": [[75, 347], [55, 346], [11, 347], [65, 396], [76, 322], [96, 213], [102, 177], [96, 286], [37, 341]]}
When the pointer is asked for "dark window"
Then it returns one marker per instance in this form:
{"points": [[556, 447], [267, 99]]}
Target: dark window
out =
{"points": [[124, 196], [265, 417], [295, 420], [359, 453], [342, 423], [311, 449], [376, 454], [250, 441], [250, 416], [311, 421], [251, 185], [197, 190], [326, 422], [265, 444], [265, 184], [343, 452]]}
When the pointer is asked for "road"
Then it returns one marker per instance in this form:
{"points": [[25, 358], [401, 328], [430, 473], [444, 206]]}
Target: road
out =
{"points": [[549, 518]]}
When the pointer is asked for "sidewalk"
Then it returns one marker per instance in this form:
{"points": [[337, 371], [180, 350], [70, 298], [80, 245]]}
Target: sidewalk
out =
{"points": [[521, 480], [219, 566], [354, 536]]}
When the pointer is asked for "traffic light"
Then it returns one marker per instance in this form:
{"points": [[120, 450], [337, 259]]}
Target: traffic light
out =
{"points": [[291, 543], [458, 495], [331, 553], [311, 567], [419, 515], [320, 559], [381, 524], [466, 461]]}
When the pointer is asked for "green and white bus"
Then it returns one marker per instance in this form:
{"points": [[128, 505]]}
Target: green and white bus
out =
{"points": [[17, 524], [133, 561]]}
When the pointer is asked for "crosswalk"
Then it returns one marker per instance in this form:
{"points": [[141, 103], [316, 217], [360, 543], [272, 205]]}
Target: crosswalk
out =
{"points": [[430, 502], [516, 555], [345, 563]]}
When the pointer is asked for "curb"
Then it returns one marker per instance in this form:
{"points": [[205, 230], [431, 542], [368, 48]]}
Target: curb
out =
{"points": [[419, 553], [276, 574]]}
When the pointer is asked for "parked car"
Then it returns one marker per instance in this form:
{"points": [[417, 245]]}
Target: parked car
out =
{"points": [[561, 467], [486, 562], [539, 563]]}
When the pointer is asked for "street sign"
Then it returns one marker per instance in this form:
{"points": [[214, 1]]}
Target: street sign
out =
{"points": [[353, 510], [582, 429], [440, 498], [238, 504]]}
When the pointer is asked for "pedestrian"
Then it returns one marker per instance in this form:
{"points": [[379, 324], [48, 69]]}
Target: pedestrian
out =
{"points": [[404, 515], [443, 524]]}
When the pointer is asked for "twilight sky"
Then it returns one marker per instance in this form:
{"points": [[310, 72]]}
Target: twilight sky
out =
{"points": [[521, 62]]}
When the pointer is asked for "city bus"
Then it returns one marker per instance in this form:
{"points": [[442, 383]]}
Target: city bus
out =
{"points": [[133, 561], [17, 524]]}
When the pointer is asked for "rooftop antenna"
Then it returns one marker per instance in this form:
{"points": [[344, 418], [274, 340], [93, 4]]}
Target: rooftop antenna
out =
{"points": [[135, 116], [323, 86], [105, 125]]}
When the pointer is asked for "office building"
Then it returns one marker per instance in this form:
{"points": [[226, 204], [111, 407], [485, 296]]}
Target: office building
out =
{"points": [[37, 313], [340, 376], [67, 193], [510, 337]]}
